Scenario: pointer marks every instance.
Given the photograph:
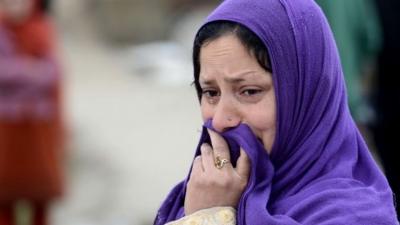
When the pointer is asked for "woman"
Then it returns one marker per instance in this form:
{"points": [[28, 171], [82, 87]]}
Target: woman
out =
{"points": [[30, 112], [279, 145]]}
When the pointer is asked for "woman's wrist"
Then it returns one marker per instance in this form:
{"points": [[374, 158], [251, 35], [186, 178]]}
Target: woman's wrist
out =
{"points": [[210, 216]]}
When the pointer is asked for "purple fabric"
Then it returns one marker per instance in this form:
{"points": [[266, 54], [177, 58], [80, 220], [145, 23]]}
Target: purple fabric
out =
{"points": [[320, 170]]}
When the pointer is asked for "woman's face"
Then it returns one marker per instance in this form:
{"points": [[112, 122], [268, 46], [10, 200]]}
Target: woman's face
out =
{"points": [[236, 89]]}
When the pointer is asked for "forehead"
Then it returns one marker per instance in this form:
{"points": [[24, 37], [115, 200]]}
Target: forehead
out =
{"points": [[226, 55], [222, 46]]}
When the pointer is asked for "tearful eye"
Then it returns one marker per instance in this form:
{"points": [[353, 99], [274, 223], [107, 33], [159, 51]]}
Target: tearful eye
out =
{"points": [[210, 93], [250, 92], [211, 96]]}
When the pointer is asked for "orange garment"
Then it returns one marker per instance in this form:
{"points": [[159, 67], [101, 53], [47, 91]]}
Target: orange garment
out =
{"points": [[31, 148], [31, 158]]}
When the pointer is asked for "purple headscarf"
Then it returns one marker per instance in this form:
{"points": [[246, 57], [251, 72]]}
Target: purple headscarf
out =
{"points": [[320, 170]]}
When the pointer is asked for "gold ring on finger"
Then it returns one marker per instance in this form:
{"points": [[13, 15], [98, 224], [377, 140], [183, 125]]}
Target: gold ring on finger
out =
{"points": [[220, 163]]}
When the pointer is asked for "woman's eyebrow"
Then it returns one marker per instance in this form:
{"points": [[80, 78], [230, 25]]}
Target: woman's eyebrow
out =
{"points": [[240, 77], [207, 82], [234, 80], [237, 78]]}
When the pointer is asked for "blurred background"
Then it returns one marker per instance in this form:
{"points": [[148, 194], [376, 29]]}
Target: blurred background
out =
{"points": [[131, 117]]}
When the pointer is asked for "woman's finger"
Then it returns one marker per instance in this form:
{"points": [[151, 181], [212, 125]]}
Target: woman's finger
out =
{"points": [[207, 157], [197, 167], [219, 145], [243, 165]]}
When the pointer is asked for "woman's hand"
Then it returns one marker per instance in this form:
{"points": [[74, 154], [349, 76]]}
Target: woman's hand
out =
{"points": [[209, 186]]}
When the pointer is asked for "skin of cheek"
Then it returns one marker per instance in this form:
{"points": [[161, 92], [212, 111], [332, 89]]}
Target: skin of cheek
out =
{"points": [[262, 123]]}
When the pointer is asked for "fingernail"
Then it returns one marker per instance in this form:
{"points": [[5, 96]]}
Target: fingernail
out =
{"points": [[210, 131], [204, 147]]}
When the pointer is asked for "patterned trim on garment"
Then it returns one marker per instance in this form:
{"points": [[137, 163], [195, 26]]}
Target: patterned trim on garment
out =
{"points": [[211, 216]]}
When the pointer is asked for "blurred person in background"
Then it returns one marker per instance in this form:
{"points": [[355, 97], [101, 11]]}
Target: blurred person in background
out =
{"points": [[31, 128], [387, 103], [355, 26], [367, 34]]}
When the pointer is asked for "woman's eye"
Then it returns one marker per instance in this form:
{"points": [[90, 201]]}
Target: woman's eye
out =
{"points": [[210, 93], [250, 92], [251, 95], [211, 96]]}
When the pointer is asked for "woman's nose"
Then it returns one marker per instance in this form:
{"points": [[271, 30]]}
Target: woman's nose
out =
{"points": [[225, 116]]}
